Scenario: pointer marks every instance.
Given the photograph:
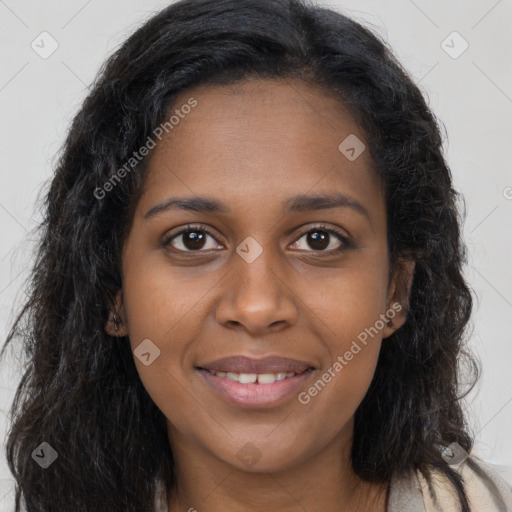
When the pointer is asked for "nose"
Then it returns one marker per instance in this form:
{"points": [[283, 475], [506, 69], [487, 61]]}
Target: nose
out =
{"points": [[258, 297]]}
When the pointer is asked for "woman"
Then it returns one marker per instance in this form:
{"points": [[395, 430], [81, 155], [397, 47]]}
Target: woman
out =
{"points": [[248, 293]]}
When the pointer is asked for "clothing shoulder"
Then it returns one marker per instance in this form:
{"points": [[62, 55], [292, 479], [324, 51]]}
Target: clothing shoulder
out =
{"points": [[487, 489]]}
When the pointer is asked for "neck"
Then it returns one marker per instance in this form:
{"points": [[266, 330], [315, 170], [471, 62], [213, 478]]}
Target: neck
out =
{"points": [[322, 481]]}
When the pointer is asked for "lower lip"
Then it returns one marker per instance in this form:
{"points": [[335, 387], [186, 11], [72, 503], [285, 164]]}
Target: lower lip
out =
{"points": [[255, 395]]}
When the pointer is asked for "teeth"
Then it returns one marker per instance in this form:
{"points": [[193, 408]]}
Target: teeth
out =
{"points": [[266, 378], [249, 378]]}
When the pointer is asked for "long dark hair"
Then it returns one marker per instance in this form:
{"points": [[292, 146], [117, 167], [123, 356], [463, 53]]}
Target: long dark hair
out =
{"points": [[80, 391]]}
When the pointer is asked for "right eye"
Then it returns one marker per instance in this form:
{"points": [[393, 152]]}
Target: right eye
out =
{"points": [[190, 239]]}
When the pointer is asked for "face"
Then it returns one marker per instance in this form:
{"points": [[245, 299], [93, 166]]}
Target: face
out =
{"points": [[262, 272]]}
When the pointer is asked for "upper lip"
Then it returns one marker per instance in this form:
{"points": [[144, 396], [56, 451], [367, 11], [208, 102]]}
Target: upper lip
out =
{"points": [[243, 364]]}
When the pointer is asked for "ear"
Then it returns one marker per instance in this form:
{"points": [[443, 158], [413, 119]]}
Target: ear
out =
{"points": [[116, 325], [398, 296]]}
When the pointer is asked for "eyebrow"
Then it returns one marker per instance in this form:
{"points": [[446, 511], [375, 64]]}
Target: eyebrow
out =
{"points": [[295, 204]]}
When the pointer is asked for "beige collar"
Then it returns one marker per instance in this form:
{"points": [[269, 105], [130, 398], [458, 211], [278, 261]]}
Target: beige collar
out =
{"points": [[405, 495]]}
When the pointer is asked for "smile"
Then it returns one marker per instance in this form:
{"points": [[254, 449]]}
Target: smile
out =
{"points": [[249, 378], [255, 390]]}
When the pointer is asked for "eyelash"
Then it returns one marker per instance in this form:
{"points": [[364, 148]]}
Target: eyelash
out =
{"points": [[319, 227]]}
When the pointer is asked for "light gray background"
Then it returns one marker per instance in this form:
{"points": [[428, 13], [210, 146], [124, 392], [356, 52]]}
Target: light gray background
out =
{"points": [[471, 94]]}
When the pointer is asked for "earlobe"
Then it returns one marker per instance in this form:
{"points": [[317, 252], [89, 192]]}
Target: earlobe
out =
{"points": [[116, 323], [398, 300]]}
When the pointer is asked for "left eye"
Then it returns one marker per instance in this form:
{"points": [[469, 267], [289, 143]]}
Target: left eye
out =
{"points": [[320, 238]]}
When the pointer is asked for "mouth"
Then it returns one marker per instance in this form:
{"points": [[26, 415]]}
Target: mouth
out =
{"points": [[252, 378], [240, 364], [255, 390]]}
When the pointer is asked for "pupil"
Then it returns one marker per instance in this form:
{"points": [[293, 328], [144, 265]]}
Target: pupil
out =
{"points": [[193, 240], [318, 239]]}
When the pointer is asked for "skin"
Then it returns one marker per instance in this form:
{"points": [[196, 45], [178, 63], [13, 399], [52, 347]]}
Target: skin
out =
{"points": [[252, 146]]}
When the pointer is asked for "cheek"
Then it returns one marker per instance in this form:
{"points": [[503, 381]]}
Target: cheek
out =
{"points": [[160, 300], [347, 301], [157, 311], [341, 385], [347, 313], [160, 307]]}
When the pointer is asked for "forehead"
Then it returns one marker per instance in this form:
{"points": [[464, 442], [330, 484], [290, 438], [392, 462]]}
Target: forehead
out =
{"points": [[259, 139]]}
